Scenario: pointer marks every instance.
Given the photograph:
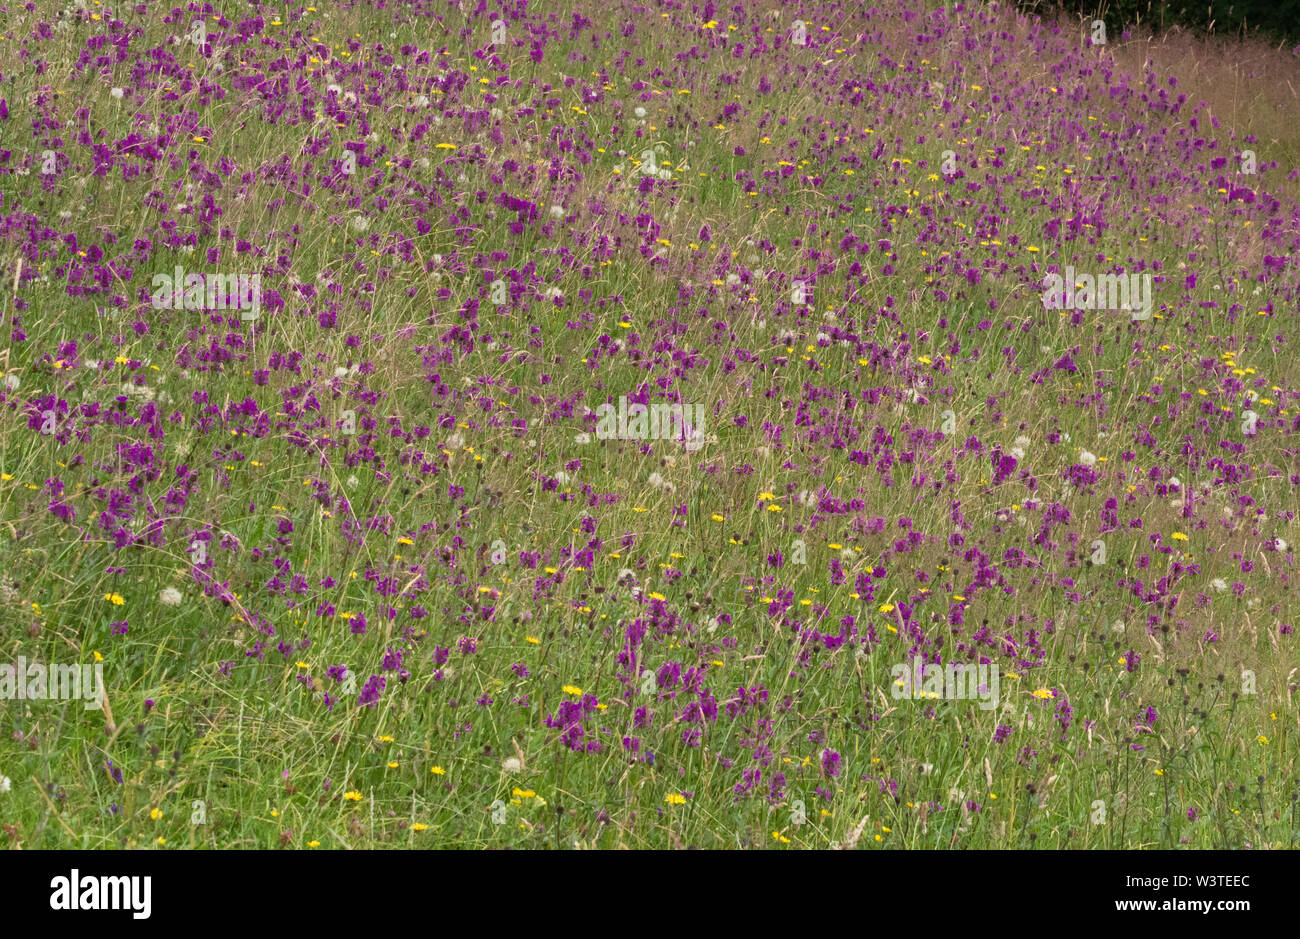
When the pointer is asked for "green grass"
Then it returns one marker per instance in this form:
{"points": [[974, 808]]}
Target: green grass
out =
{"points": [[242, 759]]}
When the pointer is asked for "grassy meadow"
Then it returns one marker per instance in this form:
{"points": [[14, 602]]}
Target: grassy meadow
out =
{"points": [[365, 566]]}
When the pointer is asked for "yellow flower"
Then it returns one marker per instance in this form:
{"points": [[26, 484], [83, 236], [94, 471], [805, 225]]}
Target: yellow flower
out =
{"points": [[353, 796], [571, 689], [313, 844], [1044, 693], [438, 771], [523, 793], [419, 826], [155, 814], [1178, 536], [114, 598], [886, 608], [384, 738], [1262, 739], [392, 764], [533, 639], [675, 798]]}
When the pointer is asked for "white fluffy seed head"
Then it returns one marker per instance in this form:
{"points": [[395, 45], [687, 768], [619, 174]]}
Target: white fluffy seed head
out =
{"points": [[658, 481]]}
